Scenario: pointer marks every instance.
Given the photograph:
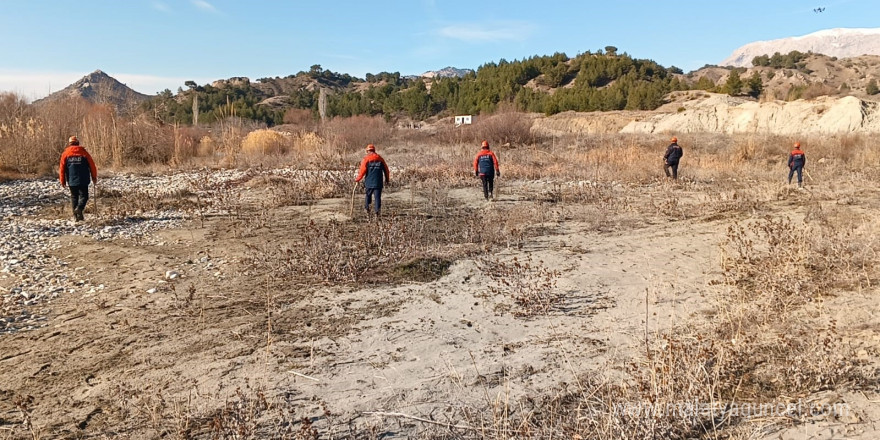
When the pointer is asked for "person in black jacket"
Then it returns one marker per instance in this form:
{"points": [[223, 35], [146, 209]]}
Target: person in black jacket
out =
{"points": [[671, 158]]}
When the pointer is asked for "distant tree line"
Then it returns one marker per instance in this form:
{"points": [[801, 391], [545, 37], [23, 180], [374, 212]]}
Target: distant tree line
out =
{"points": [[601, 81], [214, 103]]}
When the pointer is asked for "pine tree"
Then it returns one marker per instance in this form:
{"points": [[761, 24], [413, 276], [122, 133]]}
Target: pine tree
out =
{"points": [[756, 86], [734, 83], [704, 83], [871, 88]]}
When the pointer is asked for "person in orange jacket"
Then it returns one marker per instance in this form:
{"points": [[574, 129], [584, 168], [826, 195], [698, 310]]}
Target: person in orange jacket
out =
{"points": [[486, 168], [373, 169], [796, 162], [76, 171]]}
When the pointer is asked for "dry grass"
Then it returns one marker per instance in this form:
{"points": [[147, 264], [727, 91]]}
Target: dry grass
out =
{"points": [[382, 251], [354, 133], [763, 345]]}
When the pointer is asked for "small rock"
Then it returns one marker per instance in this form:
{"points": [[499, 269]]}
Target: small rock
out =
{"points": [[151, 291], [171, 274]]}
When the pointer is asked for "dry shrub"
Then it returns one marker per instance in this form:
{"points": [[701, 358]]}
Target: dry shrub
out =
{"points": [[809, 91], [33, 137], [530, 284], [307, 142], [850, 145], [336, 252], [815, 90], [298, 120], [503, 128], [207, 146], [307, 187], [264, 142], [440, 173], [780, 265], [188, 143], [229, 134], [145, 142], [354, 133], [251, 412]]}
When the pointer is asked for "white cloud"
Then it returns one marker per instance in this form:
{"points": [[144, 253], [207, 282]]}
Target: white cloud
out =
{"points": [[488, 32], [204, 5], [161, 7]]}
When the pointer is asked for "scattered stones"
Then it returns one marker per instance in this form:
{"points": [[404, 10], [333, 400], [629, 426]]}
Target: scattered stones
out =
{"points": [[32, 277]]}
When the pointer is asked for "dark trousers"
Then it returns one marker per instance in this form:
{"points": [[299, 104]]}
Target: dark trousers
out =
{"points": [[800, 172], [488, 185], [79, 196], [373, 192], [673, 167]]}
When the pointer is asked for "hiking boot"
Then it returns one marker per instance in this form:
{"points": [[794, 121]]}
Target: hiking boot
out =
{"points": [[78, 215]]}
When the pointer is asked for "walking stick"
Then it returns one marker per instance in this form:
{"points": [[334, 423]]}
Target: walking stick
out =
{"points": [[97, 196], [351, 211]]}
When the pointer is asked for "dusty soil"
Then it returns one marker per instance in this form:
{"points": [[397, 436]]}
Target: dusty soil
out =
{"points": [[195, 325]]}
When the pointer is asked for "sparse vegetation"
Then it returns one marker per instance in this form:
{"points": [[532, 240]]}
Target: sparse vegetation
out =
{"points": [[309, 275], [871, 88]]}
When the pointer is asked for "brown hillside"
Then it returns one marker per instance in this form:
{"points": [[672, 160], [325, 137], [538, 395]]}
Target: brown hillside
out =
{"points": [[820, 75]]}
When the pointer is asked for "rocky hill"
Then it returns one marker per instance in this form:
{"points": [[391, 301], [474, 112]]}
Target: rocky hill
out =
{"points": [[840, 42], [704, 112], [100, 88], [816, 75], [447, 72]]}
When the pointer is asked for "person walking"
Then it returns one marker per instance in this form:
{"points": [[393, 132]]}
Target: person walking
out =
{"points": [[486, 168], [796, 162], [375, 174], [671, 159], [76, 171]]}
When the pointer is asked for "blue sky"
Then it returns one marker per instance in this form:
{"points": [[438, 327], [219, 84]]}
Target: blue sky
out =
{"points": [[156, 44]]}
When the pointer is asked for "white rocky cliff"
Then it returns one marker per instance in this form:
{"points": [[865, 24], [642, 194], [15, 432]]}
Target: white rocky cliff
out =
{"points": [[839, 42], [705, 112]]}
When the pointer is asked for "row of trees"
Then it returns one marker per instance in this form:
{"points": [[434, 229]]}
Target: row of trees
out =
{"points": [[214, 104], [791, 60], [599, 81]]}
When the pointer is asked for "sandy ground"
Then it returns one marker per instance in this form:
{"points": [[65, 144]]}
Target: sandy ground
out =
{"points": [[147, 354]]}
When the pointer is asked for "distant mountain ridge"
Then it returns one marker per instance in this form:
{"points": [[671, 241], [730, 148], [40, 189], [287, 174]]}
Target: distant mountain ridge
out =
{"points": [[447, 72], [838, 42], [100, 88]]}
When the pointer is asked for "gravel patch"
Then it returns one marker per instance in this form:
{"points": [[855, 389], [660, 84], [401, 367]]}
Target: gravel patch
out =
{"points": [[31, 279]]}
